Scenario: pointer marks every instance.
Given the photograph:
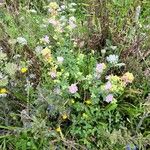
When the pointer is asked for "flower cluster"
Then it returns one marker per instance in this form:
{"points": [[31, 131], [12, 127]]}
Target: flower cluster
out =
{"points": [[116, 85]]}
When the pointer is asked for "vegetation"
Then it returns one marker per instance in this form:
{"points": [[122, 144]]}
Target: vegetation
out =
{"points": [[75, 75]]}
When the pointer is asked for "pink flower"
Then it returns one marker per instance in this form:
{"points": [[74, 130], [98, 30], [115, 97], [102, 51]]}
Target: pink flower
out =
{"points": [[108, 85], [46, 39], [100, 67], [109, 98], [73, 88], [53, 74], [53, 22]]}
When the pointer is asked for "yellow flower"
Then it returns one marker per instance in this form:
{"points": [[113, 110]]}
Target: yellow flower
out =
{"points": [[88, 102], [127, 77], [45, 51], [114, 79], [85, 115], [58, 129], [72, 101], [3, 91], [64, 116], [53, 5], [24, 70]]}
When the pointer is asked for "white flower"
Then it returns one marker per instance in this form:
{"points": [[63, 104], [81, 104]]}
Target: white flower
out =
{"points": [[72, 22], [113, 59], [22, 40], [72, 19], [60, 59], [62, 7], [16, 56], [103, 51], [38, 49]]}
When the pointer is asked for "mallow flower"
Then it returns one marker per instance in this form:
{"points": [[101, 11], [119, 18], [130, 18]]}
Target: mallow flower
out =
{"points": [[109, 98], [73, 88], [100, 67]]}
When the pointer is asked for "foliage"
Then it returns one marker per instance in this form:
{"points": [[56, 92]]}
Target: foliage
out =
{"points": [[59, 92]]}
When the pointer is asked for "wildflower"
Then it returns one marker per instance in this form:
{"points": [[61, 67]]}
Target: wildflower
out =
{"points": [[22, 41], [85, 115], [113, 59], [108, 85], [46, 52], [73, 88], [72, 19], [100, 67], [32, 76], [53, 5], [114, 78], [57, 90], [62, 7], [103, 51], [53, 22], [72, 101], [24, 70], [45, 39], [53, 74], [72, 22], [64, 116], [128, 147], [38, 49], [11, 68], [16, 56], [109, 98], [58, 129], [127, 77], [60, 59], [3, 91], [88, 102]]}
